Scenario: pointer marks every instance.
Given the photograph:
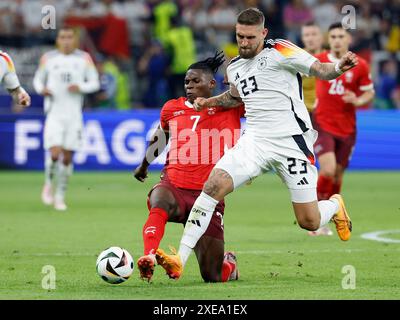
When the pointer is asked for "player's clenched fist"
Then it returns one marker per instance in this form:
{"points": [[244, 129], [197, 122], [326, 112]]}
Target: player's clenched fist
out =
{"points": [[200, 104], [140, 173], [348, 61], [24, 99]]}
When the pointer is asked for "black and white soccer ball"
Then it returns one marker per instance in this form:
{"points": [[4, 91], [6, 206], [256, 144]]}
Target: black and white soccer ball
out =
{"points": [[114, 265]]}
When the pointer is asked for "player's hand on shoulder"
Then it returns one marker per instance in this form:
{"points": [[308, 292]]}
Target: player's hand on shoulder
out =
{"points": [[140, 173], [348, 61], [74, 88], [200, 103]]}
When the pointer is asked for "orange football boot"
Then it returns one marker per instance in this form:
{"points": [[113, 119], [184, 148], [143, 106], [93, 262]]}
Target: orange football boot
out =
{"points": [[342, 219], [170, 262]]}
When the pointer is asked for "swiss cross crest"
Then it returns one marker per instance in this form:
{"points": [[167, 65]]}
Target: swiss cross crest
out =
{"points": [[349, 76], [212, 110]]}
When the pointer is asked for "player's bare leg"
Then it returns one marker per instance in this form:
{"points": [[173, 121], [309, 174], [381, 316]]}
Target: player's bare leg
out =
{"points": [[215, 265], [316, 214], [65, 170], [163, 206], [337, 185], [326, 175], [325, 188], [51, 170], [218, 185]]}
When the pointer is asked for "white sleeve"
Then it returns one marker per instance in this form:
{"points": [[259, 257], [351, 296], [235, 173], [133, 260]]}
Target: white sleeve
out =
{"points": [[232, 88], [293, 57], [39, 80], [92, 82], [9, 79]]}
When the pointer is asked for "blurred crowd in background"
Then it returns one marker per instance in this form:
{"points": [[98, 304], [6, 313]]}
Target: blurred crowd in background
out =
{"points": [[142, 48]]}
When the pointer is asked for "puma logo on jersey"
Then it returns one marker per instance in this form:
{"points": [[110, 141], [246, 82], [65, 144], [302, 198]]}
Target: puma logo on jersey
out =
{"points": [[151, 229], [177, 113]]}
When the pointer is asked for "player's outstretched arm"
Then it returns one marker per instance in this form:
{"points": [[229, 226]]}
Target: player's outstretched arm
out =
{"points": [[329, 71], [157, 144], [226, 100]]}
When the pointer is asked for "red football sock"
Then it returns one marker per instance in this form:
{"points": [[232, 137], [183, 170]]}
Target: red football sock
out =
{"points": [[153, 229], [226, 271], [336, 187], [324, 187]]}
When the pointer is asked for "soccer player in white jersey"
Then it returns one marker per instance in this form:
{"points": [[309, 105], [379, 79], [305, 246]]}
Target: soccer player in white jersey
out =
{"points": [[63, 77], [279, 135], [9, 80]]}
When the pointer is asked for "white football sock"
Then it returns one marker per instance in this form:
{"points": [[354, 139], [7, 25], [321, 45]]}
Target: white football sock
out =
{"points": [[63, 174], [50, 169], [327, 208], [197, 223]]}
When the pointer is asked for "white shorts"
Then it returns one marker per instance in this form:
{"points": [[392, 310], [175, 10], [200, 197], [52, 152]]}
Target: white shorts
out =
{"points": [[290, 157], [62, 133]]}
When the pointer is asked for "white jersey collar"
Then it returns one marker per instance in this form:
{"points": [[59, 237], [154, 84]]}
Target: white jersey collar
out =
{"points": [[332, 58], [188, 104]]}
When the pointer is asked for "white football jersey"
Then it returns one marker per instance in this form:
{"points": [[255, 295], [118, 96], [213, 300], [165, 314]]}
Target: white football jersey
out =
{"points": [[56, 72], [270, 86], [8, 77]]}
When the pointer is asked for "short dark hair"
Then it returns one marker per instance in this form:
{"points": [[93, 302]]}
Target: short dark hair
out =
{"points": [[67, 28], [311, 24], [251, 17], [337, 25], [210, 64]]}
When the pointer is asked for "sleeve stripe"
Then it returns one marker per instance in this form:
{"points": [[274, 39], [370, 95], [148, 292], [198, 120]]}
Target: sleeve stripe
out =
{"points": [[288, 44], [367, 87], [10, 64]]}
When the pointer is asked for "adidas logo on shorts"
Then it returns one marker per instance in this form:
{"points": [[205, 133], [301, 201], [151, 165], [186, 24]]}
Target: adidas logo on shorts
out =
{"points": [[302, 182]]}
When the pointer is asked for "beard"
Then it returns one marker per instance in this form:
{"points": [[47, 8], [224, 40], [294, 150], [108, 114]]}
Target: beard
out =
{"points": [[247, 53]]}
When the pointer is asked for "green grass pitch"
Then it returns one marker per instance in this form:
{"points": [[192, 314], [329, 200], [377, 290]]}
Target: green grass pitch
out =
{"points": [[276, 259]]}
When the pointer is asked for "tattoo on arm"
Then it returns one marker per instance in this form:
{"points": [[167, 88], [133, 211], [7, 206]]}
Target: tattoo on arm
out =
{"points": [[324, 71], [226, 100]]}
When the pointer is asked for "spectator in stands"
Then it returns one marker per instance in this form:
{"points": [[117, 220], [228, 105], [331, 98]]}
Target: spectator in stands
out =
{"points": [[386, 84], [106, 96], [164, 11], [196, 17], [153, 66], [179, 42], [296, 14], [325, 13], [222, 20]]}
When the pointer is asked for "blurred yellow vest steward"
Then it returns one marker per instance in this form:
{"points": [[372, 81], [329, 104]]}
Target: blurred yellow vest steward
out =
{"points": [[309, 84]]}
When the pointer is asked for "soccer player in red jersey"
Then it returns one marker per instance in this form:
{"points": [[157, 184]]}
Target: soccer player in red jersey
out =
{"points": [[335, 114], [197, 141]]}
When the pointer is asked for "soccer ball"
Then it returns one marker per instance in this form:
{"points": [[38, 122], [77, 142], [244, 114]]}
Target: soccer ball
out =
{"points": [[114, 265]]}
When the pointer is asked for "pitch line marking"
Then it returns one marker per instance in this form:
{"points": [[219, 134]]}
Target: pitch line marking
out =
{"points": [[377, 236]]}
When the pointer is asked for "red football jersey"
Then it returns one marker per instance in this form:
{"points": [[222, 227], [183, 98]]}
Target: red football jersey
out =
{"points": [[197, 140], [331, 113]]}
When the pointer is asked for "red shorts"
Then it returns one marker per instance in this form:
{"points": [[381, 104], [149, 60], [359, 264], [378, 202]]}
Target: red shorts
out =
{"points": [[185, 199], [342, 146]]}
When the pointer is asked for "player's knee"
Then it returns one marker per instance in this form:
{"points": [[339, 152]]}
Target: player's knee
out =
{"points": [[162, 204], [209, 276], [328, 171]]}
